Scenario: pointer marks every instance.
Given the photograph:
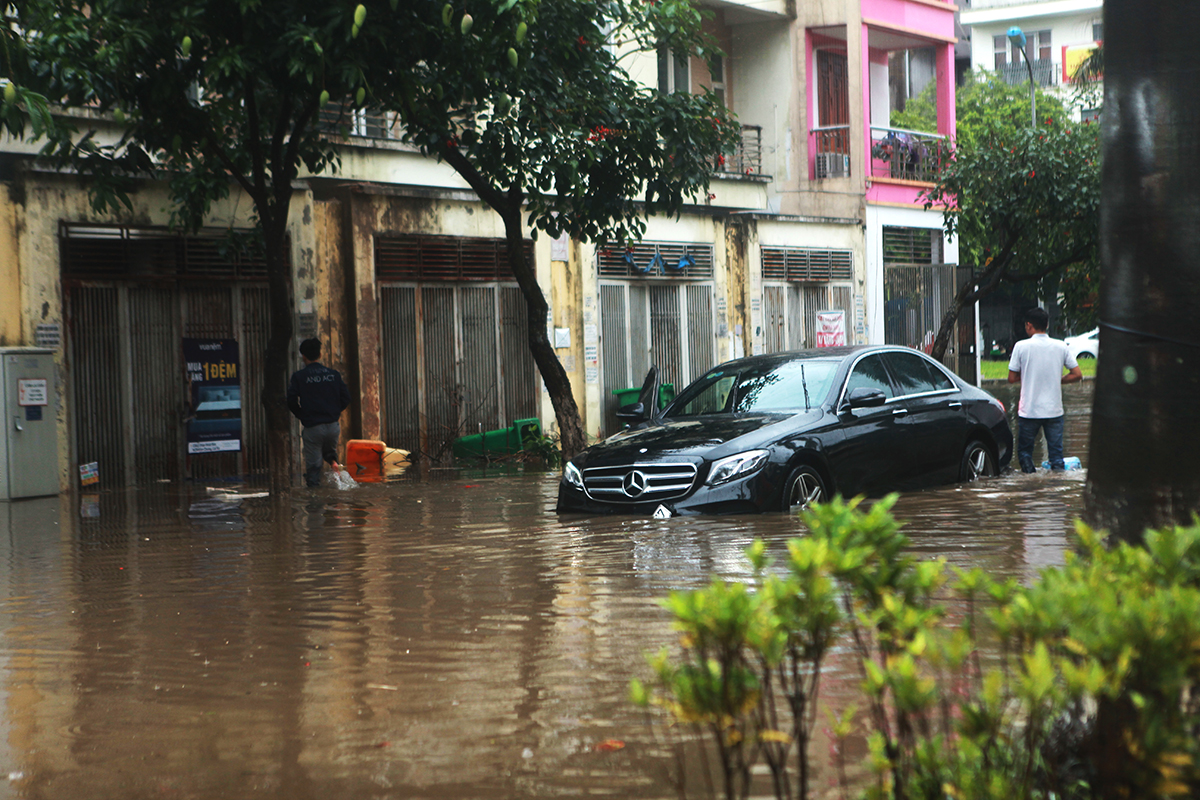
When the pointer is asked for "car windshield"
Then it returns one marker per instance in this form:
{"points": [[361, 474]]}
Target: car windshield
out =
{"points": [[790, 386]]}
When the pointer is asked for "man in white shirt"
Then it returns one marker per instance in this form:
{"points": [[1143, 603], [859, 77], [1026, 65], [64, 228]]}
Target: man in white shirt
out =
{"points": [[1037, 364]]}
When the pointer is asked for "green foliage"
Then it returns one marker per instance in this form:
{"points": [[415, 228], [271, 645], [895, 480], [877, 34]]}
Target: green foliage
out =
{"points": [[1025, 204], [566, 131], [1092, 694], [986, 102], [545, 447]]}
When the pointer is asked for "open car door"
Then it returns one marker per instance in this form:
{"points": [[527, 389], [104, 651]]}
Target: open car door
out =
{"points": [[646, 408]]}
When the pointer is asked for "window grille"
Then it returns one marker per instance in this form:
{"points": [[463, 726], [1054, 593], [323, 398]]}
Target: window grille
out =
{"points": [[657, 260], [806, 265]]}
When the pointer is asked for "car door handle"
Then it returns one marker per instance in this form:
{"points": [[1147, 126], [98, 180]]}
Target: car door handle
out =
{"points": [[899, 412], [956, 404]]}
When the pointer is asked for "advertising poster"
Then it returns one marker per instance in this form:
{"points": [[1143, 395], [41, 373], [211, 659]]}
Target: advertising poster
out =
{"points": [[831, 328], [214, 386]]}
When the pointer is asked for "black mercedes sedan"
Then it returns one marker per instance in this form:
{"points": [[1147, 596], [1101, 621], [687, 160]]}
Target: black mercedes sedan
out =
{"points": [[776, 432]]}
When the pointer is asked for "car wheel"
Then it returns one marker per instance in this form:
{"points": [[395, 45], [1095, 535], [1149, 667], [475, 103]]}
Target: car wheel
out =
{"points": [[977, 462], [1085, 354], [803, 488]]}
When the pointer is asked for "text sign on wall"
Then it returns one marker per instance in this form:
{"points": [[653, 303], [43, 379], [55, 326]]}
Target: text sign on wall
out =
{"points": [[214, 386], [831, 328], [32, 392]]}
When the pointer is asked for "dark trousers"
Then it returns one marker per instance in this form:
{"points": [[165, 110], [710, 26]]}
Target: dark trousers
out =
{"points": [[1027, 430], [320, 444]]}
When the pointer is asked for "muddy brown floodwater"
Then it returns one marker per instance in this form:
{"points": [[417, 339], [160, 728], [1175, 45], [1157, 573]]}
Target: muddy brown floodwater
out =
{"points": [[421, 639]]}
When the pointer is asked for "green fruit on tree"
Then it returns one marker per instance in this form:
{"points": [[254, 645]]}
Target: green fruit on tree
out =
{"points": [[119, 115], [467, 22], [360, 15], [354, 31], [447, 14], [522, 29], [185, 46], [513, 58], [10, 93], [360, 95], [395, 4], [438, 91], [176, 143], [324, 97]]}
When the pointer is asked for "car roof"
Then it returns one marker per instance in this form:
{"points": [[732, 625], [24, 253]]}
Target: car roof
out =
{"points": [[822, 353]]}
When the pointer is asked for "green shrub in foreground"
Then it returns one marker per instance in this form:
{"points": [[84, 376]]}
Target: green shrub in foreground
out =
{"points": [[1090, 690]]}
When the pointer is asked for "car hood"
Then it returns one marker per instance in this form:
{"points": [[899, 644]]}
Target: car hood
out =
{"points": [[707, 437]]}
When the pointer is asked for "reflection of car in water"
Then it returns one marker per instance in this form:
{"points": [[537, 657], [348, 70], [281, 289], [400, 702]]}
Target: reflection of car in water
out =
{"points": [[781, 431], [218, 410]]}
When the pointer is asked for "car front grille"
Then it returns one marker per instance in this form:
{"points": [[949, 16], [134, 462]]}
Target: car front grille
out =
{"points": [[639, 483]]}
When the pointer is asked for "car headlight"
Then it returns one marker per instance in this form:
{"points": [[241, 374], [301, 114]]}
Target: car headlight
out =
{"points": [[573, 476], [736, 466]]}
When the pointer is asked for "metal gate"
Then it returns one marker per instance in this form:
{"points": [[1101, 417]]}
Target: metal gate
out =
{"points": [[665, 324], [456, 361], [455, 341], [916, 297], [790, 313]]}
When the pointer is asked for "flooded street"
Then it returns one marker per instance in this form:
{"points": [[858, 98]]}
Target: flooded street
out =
{"points": [[423, 639]]}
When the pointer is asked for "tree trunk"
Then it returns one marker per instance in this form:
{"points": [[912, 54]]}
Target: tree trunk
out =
{"points": [[570, 427], [275, 377], [1144, 468], [950, 318]]}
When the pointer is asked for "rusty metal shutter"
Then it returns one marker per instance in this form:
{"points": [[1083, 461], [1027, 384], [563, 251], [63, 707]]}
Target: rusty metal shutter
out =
{"points": [[255, 328], [156, 412], [482, 383], [701, 354], [518, 373], [95, 379], [401, 387]]}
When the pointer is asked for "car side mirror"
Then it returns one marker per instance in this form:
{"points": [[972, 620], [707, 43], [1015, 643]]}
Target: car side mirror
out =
{"points": [[634, 412], [862, 397]]}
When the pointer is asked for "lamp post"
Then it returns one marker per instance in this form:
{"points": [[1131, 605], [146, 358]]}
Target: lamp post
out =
{"points": [[1017, 37]]}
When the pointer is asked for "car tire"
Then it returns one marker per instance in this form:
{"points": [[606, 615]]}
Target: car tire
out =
{"points": [[1085, 354], [977, 462], [803, 488]]}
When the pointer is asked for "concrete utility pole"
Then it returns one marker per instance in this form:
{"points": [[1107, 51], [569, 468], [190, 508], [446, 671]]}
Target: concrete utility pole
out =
{"points": [[1144, 468]]}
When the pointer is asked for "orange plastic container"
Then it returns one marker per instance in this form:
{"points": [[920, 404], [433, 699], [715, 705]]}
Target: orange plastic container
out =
{"points": [[370, 460], [364, 460]]}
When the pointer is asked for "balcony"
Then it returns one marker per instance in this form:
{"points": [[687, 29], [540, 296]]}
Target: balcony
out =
{"points": [[747, 159], [1044, 72], [907, 155]]}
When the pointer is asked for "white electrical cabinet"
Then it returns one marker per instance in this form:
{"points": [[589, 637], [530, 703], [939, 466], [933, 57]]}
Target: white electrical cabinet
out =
{"points": [[29, 434]]}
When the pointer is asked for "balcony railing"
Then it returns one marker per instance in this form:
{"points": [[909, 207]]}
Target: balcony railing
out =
{"points": [[1044, 73], [747, 159], [907, 155], [831, 151], [360, 123]]}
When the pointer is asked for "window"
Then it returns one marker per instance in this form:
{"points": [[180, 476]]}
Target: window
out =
{"points": [[1097, 31], [914, 375], [1039, 45], [869, 374], [673, 75], [716, 68], [1000, 47], [912, 245]]}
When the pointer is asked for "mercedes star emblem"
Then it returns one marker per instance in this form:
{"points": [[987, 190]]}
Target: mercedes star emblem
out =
{"points": [[634, 483]]}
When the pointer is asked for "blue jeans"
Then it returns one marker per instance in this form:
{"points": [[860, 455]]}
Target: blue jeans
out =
{"points": [[1027, 430], [320, 444]]}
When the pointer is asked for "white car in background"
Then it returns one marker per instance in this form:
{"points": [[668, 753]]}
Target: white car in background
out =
{"points": [[1085, 345]]}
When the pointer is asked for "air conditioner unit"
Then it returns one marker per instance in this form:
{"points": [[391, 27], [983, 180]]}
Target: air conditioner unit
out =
{"points": [[833, 165]]}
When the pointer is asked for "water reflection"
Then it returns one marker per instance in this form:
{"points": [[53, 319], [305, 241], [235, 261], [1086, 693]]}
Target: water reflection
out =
{"points": [[449, 639]]}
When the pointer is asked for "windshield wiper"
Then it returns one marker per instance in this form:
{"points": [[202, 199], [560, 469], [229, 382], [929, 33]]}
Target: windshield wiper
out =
{"points": [[804, 383]]}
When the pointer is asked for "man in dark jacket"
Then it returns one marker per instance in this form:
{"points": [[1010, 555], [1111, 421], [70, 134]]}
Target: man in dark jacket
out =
{"points": [[317, 395]]}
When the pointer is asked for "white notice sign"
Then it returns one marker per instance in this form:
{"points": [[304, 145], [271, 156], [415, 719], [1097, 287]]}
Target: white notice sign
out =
{"points": [[32, 392], [831, 328]]}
